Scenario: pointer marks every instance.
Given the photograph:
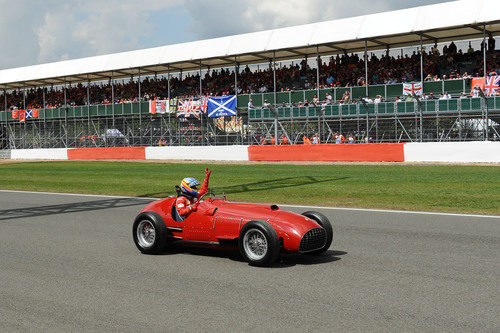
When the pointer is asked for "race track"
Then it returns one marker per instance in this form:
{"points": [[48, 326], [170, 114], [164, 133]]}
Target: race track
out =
{"points": [[68, 263]]}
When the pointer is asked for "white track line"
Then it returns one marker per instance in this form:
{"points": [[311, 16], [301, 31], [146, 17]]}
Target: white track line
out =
{"points": [[282, 205], [81, 195]]}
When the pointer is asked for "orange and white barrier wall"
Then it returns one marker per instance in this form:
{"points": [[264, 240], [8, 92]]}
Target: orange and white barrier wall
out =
{"points": [[451, 152], [207, 153], [373, 152]]}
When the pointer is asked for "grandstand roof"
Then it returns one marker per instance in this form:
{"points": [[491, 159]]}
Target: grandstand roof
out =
{"points": [[456, 20]]}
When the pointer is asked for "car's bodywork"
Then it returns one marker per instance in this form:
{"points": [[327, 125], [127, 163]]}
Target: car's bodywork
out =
{"points": [[218, 222]]}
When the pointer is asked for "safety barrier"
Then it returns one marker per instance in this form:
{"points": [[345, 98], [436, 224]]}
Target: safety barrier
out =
{"points": [[375, 152], [448, 152], [112, 153], [217, 153], [455, 152], [39, 154]]}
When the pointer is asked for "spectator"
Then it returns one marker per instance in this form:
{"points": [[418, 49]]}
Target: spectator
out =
{"points": [[315, 139], [328, 99], [315, 100], [250, 104]]}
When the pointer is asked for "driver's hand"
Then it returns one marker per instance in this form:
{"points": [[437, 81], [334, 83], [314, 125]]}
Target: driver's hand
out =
{"points": [[208, 172], [194, 207]]}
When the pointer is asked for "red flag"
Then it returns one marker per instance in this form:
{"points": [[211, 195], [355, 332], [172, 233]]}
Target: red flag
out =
{"points": [[22, 116], [476, 82], [152, 107], [14, 114], [35, 113]]}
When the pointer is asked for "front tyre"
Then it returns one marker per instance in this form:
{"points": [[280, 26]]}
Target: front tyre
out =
{"points": [[149, 232], [259, 243], [323, 221]]}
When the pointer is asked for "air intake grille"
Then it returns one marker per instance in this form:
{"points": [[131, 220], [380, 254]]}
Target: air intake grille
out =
{"points": [[314, 239]]}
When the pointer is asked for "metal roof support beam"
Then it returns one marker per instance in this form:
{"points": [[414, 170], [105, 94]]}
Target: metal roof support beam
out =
{"points": [[318, 63], [274, 104], [373, 40], [296, 52], [168, 86], [225, 59], [261, 57], [421, 34], [478, 28], [366, 67], [334, 48]]}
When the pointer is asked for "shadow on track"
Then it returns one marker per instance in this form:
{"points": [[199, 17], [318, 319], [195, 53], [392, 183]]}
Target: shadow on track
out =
{"points": [[285, 260], [265, 185], [74, 207]]}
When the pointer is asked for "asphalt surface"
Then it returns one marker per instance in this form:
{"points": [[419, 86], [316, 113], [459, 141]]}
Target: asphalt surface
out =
{"points": [[68, 263]]}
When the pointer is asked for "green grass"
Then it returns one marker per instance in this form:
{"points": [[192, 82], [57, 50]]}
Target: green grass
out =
{"points": [[466, 189]]}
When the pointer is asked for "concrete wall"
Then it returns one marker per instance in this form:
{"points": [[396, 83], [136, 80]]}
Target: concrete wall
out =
{"points": [[478, 151], [213, 153], [40, 154], [451, 152]]}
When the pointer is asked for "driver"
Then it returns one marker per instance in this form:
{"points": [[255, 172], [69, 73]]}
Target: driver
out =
{"points": [[187, 200]]}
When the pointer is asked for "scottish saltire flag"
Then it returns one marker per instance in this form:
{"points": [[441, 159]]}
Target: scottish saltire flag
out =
{"points": [[29, 114], [492, 85], [221, 106], [412, 88]]}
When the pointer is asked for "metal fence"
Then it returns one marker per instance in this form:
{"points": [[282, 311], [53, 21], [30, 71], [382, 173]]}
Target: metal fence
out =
{"points": [[132, 125]]}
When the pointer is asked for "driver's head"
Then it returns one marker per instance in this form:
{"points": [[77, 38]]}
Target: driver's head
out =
{"points": [[188, 187]]}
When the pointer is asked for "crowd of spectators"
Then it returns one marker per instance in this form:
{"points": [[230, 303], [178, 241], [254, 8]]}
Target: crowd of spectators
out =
{"points": [[338, 71]]}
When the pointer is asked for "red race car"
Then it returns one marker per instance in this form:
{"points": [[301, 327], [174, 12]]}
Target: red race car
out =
{"points": [[260, 231]]}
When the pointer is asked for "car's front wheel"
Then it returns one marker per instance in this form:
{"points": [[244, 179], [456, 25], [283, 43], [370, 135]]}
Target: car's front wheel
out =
{"points": [[324, 222], [149, 232], [259, 243]]}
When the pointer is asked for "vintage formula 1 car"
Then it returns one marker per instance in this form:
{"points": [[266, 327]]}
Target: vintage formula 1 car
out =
{"points": [[260, 231]]}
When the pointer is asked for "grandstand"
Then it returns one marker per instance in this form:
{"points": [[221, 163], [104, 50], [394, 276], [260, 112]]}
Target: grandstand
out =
{"points": [[104, 100]]}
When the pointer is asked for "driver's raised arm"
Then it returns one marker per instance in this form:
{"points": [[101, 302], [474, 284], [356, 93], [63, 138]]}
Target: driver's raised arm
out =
{"points": [[204, 186]]}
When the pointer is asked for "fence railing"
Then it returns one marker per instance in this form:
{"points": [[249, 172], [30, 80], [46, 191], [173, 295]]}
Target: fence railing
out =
{"points": [[335, 110], [384, 108], [387, 91]]}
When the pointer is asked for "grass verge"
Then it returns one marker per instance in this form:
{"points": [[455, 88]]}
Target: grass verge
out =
{"points": [[462, 189]]}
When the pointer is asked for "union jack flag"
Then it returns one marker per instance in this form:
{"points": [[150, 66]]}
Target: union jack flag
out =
{"points": [[188, 108], [492, 85], [412, 88], [204, 104]]}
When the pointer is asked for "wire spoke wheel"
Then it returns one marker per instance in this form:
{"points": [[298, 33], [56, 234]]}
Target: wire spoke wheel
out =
{"points": [[146, 234], [255, 244]]}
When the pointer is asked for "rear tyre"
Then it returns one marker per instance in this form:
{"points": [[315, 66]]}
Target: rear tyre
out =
{"points": [[323, 221], [259, 243], [150, 233]]}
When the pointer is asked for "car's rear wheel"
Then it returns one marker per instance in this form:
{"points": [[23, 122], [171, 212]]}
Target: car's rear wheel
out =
{"points": [[324, 222], [259, 243], [149, 232]]}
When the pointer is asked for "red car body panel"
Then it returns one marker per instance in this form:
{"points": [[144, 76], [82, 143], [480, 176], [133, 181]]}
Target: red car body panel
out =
{"points": [[217, 219]]}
